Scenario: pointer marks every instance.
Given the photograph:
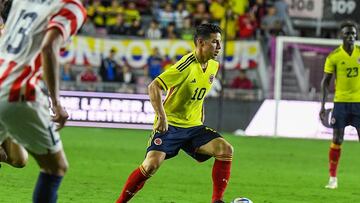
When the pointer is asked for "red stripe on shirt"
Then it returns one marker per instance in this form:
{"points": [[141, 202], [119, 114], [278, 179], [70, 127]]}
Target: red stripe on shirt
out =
{"points": [[69, 15], [60, 27], [78, 4], [2, 77], [8, 70], [16, 87], [30, 88]]}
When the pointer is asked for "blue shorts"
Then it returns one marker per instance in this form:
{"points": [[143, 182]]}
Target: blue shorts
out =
{"points": [[345, 114], [187, 139]]}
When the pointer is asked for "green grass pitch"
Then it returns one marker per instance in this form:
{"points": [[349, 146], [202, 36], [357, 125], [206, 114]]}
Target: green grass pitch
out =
{"points": [[266, 170]]}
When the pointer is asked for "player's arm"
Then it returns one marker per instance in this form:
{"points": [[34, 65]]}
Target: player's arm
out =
{"points": [[155, 92], [61, 26], [325, 84], [50, 62]]}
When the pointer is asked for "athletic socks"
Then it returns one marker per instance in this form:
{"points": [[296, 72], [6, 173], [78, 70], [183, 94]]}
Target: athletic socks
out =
{"points": [[220, 176], [134, 183], [334, 156], [46, 188]]}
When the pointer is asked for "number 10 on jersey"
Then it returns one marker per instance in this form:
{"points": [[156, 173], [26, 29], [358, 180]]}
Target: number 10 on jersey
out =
{"points": [[199, 94]]}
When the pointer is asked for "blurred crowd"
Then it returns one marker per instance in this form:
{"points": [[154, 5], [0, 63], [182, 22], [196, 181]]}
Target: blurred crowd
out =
{"points": [[176, 19], [172, 19]]}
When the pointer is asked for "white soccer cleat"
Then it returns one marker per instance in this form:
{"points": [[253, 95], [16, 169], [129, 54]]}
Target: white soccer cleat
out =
{"points": [[333, 184]]}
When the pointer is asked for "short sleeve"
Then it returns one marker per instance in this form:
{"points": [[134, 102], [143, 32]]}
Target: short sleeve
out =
{"points": [[329, 66], [172, 77], [69, 19]]}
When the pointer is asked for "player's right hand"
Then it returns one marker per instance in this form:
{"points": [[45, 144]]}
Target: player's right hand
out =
{"points": [[161, 125], [60, 116]]}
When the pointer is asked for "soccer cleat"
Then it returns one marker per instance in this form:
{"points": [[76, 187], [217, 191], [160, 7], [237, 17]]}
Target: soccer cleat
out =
{"points": [[333, 184], [219, 201]]}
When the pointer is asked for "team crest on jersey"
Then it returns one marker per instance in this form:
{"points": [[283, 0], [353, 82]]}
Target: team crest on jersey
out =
{"points": [[333, 121], [157, 141], [211, 78]]}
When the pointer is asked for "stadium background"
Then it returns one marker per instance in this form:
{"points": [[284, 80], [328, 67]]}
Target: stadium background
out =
{"points": [[145, 37]]}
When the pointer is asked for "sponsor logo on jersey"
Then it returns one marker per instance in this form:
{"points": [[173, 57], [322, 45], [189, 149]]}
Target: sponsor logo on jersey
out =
{"points": [[157, 141], [211, 78]]}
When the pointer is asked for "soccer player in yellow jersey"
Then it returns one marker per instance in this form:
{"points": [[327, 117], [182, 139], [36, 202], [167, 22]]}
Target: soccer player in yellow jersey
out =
{"points": [[179, 121], [344, 63]]}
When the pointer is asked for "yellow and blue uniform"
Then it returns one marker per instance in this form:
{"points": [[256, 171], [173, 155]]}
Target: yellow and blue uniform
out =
{"points": [[186, 84], [347, 73], [347, 86]]}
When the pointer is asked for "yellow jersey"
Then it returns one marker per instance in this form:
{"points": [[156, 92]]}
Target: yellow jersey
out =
{"points": [[186, 84], [346, 69]]}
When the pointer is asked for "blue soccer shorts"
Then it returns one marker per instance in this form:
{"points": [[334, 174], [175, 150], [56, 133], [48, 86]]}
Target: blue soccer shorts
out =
{"points": [[345, 114], [187, 139]]}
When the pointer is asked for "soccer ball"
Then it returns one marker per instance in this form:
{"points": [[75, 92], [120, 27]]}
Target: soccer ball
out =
{"points": [[241, 200]]}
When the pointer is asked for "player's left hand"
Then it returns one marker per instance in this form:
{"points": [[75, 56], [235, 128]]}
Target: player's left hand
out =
{"points": [[60, 116]]}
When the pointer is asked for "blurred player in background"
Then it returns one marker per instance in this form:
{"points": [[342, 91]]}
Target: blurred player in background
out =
{"points": [[179, 121], [344, 62], [29, 48]]}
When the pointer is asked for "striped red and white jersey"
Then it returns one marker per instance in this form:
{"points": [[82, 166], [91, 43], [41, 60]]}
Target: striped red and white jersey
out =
{"points": [[20, 44]]}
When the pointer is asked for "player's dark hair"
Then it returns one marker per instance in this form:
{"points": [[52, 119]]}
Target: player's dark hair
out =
{"points": [[204, 31], [348, 23], [6, 10]]}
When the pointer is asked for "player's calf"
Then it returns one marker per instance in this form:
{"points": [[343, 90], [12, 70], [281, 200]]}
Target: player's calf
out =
{"points": [[134, 183], [221, 169]]}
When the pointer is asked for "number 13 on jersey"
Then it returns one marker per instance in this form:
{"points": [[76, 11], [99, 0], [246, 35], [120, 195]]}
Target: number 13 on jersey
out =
{"points": [[22, 27]]}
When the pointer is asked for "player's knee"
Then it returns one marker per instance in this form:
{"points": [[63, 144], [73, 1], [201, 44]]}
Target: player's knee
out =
{"points": [[58, 169], [338, 140], [18, 163], [151, 165], [225, 148], [63, 168], [229, 149], [151, 168]]}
